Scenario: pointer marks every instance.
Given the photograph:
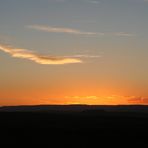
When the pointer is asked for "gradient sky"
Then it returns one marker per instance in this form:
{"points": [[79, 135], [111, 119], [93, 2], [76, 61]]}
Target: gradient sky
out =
{"points": [[73, 52]]}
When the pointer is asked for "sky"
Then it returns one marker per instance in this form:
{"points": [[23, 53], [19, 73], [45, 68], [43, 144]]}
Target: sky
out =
{"points": [[73, 52]]}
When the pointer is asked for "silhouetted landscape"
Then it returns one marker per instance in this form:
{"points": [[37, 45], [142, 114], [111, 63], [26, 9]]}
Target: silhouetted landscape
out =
{"points": [[75, 123]]}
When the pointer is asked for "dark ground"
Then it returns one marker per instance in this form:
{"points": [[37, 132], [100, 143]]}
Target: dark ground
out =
{"points": [[77, 126]]}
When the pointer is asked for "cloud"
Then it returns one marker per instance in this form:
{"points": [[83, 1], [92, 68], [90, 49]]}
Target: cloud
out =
{"points": [[84, 56], [82, 97], [40, 59], [93, 1], [61, 1], [90, 1], [62, 30], [138, 100], [72, 31], [124, 34]]}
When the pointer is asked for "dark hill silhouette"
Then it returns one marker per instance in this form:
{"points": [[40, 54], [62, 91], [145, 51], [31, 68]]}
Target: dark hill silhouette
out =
{"points": [[76, 108], [83, 123]]}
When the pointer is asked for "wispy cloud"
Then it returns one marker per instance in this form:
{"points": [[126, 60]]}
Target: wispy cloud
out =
{"points": [[84, 56], [124, 34], [72, 31], [138, 100], [82, 97], [40, 59], [61, 1], [93, 1], [112, 99], [89, 1], [62, 30]]}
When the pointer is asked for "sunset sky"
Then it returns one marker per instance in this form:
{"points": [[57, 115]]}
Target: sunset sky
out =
{"points": [[73, 52]]}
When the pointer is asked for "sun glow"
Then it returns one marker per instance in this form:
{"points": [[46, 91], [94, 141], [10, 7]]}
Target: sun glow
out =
{"points": [[98, 100]]}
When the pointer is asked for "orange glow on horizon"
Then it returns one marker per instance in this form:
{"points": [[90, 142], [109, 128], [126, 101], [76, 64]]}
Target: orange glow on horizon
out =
{"points": [[98, 100], [67, 100], [61, 98]]}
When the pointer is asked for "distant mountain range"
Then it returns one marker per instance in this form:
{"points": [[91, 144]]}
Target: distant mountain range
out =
{"points": [[75, 108]]}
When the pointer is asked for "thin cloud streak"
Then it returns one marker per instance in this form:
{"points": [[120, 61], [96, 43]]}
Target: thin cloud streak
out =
{"points": [[93, 1], [138, 100], [84, 56], [62, 30], [61, 1], [40, 59], [124, 34], [72, 31]]}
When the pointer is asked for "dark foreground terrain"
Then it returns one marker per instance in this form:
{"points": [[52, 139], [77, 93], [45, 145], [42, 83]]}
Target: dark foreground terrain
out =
{"points": [[74, 126]]}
